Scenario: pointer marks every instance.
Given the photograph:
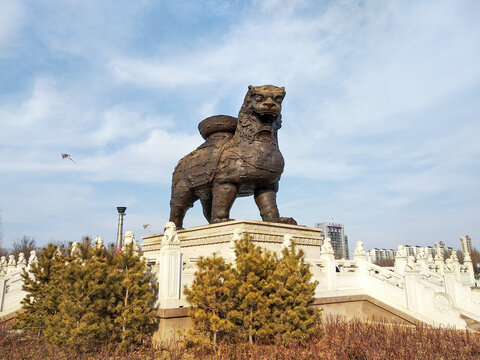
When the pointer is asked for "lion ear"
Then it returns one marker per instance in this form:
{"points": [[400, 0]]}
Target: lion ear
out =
{"points": [[250, 87]]}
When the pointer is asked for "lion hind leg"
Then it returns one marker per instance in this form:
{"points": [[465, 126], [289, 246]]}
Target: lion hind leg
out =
{"points": [[207, 209]]}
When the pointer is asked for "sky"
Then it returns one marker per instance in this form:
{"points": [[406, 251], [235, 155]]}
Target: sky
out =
{"points": [[380, 122]]}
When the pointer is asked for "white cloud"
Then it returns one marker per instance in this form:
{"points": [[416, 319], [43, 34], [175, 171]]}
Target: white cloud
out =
{"points": [[108, 143], [322, 169], [379, 116], [146, 160], [273, 50], [11, 19]]}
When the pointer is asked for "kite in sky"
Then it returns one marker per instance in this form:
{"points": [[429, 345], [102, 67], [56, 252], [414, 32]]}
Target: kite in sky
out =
{"points": [[64, 156], [146, 226]]}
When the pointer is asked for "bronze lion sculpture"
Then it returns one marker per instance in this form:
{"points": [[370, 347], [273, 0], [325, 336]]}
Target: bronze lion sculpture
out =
{"points": [[240, 157]]}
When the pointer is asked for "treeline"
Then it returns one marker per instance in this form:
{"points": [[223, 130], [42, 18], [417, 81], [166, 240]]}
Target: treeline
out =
{"points": [[22, 245]]}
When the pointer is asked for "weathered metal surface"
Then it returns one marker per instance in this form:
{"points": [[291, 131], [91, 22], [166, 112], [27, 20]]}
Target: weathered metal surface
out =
{"points": [[240, 157]]}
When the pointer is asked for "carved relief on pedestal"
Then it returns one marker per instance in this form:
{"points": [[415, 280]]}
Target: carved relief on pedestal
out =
{"points": [[475, 296], [189, 265], [287, 241], [442, 302]]}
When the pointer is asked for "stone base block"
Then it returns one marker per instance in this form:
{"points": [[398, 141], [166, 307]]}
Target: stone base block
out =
{"points": [[205, 240]]}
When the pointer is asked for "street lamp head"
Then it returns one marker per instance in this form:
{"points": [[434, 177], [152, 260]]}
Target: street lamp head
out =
{"points": [[121, 209]]}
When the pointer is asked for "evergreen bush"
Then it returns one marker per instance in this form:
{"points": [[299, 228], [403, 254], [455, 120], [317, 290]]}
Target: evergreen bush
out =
{"points": [[263, 298], [82, 296]]}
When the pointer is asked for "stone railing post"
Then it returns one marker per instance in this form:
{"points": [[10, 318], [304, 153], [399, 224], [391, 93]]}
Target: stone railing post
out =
{"points": [[22, 263], [32, 259], [422, 259], [411, 273], [400, 260], [450, 278], [439, 261], [129, 241], [3, 282], [467, 261], [327, 255], [3, 265], [169, 276], [360, 257], [12, 264]]}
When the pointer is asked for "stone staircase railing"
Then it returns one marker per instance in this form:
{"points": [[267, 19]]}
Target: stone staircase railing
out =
{"points": [[435, 291], [429, 289], [11, 293]]}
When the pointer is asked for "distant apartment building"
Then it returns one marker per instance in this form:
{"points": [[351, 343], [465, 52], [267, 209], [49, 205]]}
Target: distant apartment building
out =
{"points": [[339, 240], [381, 254], [466, 244], [411, 250]]}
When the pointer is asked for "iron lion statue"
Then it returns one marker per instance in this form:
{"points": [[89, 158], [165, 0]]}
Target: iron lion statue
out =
{"points": [[240, 157]]}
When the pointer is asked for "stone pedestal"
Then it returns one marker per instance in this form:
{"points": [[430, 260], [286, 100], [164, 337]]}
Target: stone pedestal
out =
{"points": [[217, 238], [172, 257], [173, 254]]}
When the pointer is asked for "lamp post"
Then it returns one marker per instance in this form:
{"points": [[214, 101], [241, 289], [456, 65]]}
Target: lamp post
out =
{"points": [[121, 211]]}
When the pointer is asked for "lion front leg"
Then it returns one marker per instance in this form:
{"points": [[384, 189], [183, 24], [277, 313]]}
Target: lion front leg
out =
{"points": [[223, 196], [266, 200]]}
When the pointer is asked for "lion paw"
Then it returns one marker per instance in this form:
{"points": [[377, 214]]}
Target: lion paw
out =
{"points": [[287, 220], [220, 220]]}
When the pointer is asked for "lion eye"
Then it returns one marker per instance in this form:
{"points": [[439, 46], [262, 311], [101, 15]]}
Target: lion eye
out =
{"points": [[278, 98], [258, 97]]}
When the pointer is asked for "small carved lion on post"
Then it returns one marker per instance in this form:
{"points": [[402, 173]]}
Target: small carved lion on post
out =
{"points": [[240, 157]]}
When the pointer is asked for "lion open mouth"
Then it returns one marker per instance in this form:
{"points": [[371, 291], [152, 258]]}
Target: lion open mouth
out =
{"points": [[266, 119]]}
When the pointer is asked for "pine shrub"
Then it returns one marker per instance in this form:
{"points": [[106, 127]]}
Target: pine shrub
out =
{"points": [[88, 296], [262, 299]]}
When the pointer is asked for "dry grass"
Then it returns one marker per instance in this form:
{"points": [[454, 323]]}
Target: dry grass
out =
{"points": [[340, 340]]}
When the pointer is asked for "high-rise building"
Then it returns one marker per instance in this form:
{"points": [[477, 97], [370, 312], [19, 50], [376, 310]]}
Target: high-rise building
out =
{"points": [[466, 244], [339, 240]]}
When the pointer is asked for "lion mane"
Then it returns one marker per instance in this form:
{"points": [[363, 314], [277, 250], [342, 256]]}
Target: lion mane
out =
{"points": [[248, 127]]}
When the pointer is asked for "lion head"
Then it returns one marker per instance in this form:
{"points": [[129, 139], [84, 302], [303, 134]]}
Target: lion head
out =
{"points": [[261, 112]]}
